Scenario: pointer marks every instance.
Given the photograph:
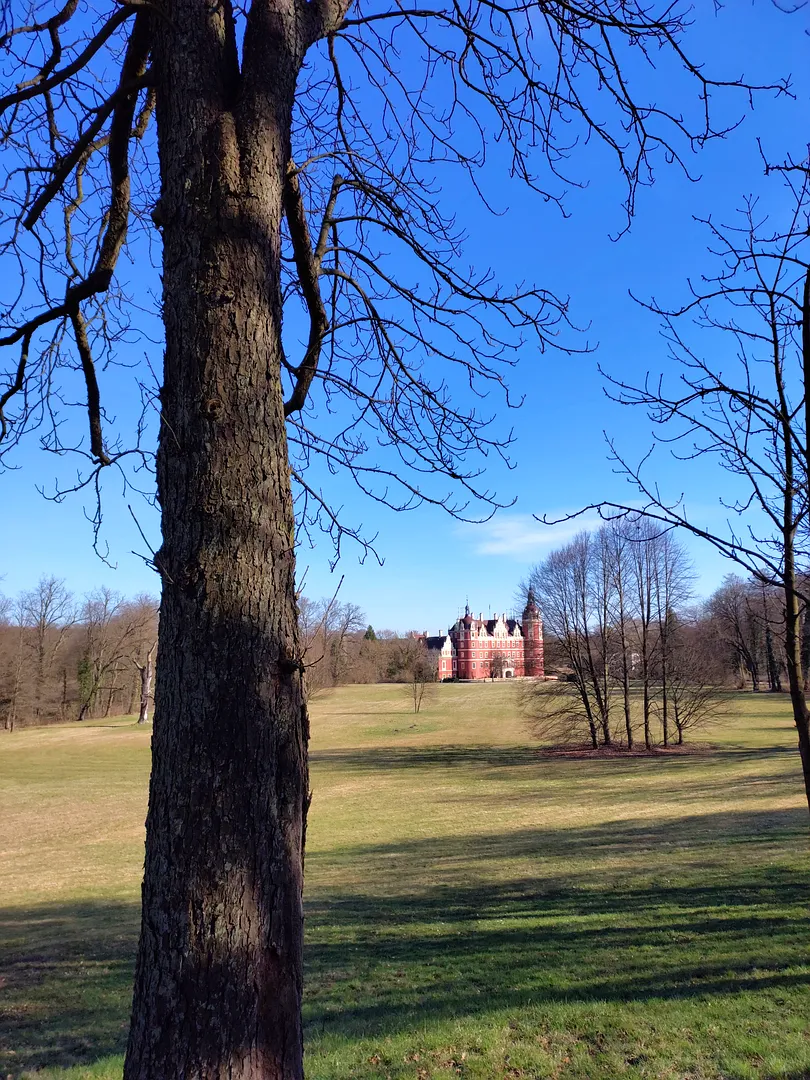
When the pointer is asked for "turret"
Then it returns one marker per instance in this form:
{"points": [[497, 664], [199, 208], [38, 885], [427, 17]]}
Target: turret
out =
{"points": [[533, 664], [463, 665]]}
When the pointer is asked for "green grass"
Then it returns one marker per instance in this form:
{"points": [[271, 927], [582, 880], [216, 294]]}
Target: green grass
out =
{"points": [[476, 907]]}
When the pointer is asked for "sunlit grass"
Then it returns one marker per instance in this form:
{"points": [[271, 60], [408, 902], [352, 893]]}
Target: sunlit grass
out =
{"points": [[476, 907]]}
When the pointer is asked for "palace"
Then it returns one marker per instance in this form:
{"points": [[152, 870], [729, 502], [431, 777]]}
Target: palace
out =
{"points": [[500, 647]]}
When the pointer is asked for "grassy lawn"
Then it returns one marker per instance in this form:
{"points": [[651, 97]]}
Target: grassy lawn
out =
{"points": [[476, 907]]}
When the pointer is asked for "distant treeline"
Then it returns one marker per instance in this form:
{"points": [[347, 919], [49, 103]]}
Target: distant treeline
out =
{"points": [[340, 648], [66, 659], [623, 634]]}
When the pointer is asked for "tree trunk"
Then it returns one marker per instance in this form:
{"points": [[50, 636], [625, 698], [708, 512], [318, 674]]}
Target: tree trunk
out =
{"points": [[40, 675], [602, 702], [774, 680], [592, 730], [645, 672], [17, 683], [801, 713], [63, 702], [753, 671], [628, 723], [678, 726], [112, 689], [805, 649], [664, 691], [219, 971], [146, 685]]}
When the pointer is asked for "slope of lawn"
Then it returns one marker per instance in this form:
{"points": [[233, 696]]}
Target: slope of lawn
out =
{"points": [[476, 906]]}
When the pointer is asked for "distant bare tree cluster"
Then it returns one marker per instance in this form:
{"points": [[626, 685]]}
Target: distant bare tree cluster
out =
{"points": [[632, 660], [329, 633], [65, 659], [339, 647], [745, 620]]}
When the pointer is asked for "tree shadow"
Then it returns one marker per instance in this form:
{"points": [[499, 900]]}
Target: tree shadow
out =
{"points": [[411, 945], [66, 976], [453, 756], [696, 835], [379, 965], [373, 759]]}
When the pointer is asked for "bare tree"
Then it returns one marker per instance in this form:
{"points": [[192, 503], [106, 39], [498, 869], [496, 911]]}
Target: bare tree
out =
{"points": [[730, 607], [345, 619], [694, 697], [753, 415], [101, 654], [57, 666], [597, 593], [47, 615], [325, 626], [295, 144], [569, 586], [142, 613], [618, 550], [17, 659], [498, 663], [145, 671], [115, 632], [412, 662], [423, 670], [673, 588], [642, 576], [768, 612]]}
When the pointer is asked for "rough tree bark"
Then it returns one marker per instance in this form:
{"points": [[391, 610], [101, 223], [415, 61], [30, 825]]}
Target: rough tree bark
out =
{"points": [[219, 972]]}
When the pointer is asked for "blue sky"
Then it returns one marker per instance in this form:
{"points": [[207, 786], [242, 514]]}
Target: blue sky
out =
{"points": [[432, 563]]}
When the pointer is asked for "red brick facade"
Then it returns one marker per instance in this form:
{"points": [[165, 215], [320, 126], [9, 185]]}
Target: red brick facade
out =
{"points": [[499, 647]]}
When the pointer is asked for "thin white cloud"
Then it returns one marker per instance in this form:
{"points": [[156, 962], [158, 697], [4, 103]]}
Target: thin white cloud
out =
{"points": [[521, 535]]}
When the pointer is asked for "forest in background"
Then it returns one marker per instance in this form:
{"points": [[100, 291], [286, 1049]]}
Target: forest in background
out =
{"points": [[623, 632], [65, 659]]}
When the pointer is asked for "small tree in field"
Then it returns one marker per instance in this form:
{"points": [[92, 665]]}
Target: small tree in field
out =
{"points": [[423, 676], [413, 663], [498, 663], [695, 701]]}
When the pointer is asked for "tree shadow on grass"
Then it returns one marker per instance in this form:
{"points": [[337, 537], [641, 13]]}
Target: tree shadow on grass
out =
{"points": [[66, 975], [668, 842], [401, 951], [373, 759], [379, 964], [453, 756]]}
